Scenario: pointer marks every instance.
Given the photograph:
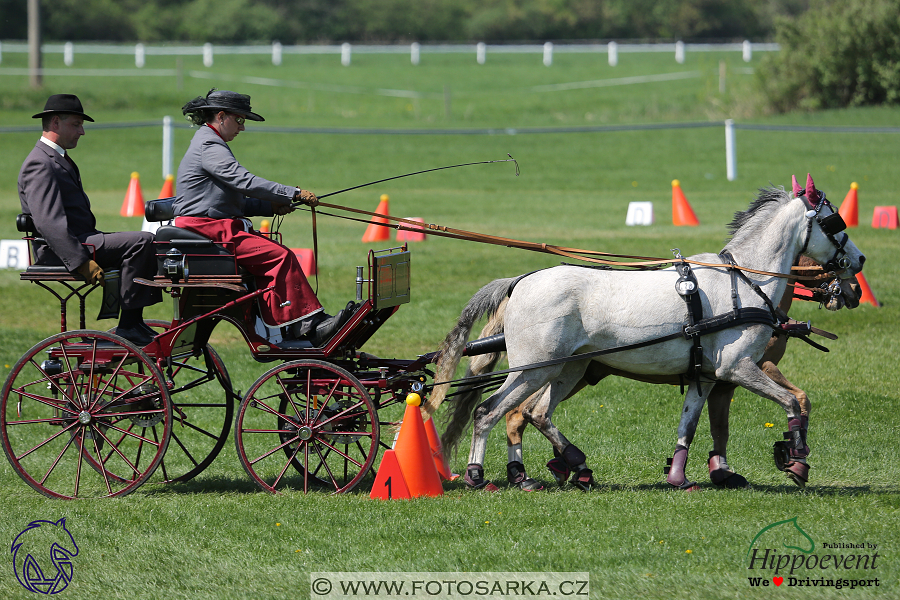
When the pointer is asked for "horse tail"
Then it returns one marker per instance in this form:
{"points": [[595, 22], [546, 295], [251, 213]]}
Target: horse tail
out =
{"points": [[467, 398], [486, 301]]}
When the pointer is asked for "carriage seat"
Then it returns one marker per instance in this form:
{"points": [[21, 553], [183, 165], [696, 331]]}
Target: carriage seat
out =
{"points": [[203, 256], [25, 224]]}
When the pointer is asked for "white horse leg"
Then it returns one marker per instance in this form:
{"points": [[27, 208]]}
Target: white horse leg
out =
{"points": [[514, 391], [790, 455], [694, 400], [568, 458]]}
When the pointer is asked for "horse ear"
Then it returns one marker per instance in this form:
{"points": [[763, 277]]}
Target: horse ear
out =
{"points": [[795, 186], [812, 194]]}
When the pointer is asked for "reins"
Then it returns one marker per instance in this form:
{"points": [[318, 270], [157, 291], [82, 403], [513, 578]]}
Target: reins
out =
{"points": [[592, 256]]}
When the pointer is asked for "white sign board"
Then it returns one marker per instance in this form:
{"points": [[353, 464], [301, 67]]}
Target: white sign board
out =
{"points": [[639, 213], [14, 254]]}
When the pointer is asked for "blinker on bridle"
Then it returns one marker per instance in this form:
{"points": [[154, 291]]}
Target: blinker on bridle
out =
{"points": [[831, 225]]}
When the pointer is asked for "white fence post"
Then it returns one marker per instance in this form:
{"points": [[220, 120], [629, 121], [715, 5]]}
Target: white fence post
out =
{"points": [[747, 50], [276, 53], [139, 56], [480, 52], [167, 147], [679, 52], [345, 54], [1, 52], [207, 55], [414, 49], [68, 54], [730, 156], [548, 54], [612, 49]]}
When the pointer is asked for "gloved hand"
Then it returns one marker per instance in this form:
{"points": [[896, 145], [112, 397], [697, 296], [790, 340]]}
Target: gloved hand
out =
{"points": [[92, 272], [306, 197], [283, 209]]}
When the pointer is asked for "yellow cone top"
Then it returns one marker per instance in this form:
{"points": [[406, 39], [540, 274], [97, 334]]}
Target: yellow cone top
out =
{"points": [[854, 186], [414, 399], [384, 198], [675, 183], [134, 175]]}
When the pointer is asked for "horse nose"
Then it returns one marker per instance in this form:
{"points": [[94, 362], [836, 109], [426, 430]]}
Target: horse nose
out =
{"points": [[862, 260]]}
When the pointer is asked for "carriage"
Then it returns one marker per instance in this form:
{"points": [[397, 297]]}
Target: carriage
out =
{"points": [[98, 416], [87, 413]]}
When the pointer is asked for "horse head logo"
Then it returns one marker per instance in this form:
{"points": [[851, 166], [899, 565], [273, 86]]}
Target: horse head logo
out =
{"points": [[30, 552], [789, 534]]}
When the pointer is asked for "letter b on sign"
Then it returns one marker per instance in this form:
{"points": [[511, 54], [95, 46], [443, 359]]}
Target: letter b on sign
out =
{"points": [[14, 254]]}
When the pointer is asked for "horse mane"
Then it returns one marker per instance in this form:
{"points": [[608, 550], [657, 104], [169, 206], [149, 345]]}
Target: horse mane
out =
{"points": [[746, 222]]}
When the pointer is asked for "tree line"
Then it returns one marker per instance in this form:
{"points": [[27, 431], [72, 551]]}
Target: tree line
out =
{"points": [[397, 21]]}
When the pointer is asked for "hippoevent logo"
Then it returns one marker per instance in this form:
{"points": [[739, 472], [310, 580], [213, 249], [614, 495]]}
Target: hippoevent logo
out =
{"points": [[784, 554], [42, 556]]}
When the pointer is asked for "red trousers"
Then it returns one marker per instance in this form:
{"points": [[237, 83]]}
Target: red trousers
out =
{"points": [[270, 262]]}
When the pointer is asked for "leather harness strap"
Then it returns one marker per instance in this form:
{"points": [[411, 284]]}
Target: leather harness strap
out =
{"points": [[637, 262]]}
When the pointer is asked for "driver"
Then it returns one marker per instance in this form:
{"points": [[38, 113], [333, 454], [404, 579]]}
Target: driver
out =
{"points": [[216, 194]]}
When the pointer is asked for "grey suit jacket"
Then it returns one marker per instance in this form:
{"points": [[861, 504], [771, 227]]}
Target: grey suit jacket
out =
{"points": [[212, 183], [50, 191]]}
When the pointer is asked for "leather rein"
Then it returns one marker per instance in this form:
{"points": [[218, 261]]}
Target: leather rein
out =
{"points": [[592, 256]]}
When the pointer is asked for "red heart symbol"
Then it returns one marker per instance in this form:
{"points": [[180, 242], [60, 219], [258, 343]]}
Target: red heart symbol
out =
{"points": [[778, 580]]}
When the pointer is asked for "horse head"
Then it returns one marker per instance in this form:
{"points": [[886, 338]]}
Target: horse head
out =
{"points": [[825, 240], [834, 293], [39, 538]]}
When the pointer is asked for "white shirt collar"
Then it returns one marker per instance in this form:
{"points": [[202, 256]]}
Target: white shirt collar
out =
{"points": [[54, 145]]}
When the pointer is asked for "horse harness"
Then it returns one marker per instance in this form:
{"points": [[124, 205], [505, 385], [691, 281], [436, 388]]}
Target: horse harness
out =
{"points": [[694, 327]]}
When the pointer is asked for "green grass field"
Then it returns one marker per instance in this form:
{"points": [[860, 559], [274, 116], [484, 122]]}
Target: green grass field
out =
{"points": [[220, 537]]}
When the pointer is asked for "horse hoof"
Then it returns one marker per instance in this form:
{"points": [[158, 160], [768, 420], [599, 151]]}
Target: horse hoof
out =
{"points": [[734, 481], [798, 472], [583, 480], [530, 485], [560, 470], [724, 476], [687, 486]]}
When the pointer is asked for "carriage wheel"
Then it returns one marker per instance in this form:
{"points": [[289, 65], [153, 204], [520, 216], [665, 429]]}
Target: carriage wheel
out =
{"points": [[85, 414], [307, 424], [201, 415]]}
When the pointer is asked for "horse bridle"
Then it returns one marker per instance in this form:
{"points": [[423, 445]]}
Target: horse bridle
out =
{"points": [[831, 225]]}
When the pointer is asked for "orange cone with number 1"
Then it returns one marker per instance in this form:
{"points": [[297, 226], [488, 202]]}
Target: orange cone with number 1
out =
{"points": [[133, 206], [682, 213], [414, 454]]}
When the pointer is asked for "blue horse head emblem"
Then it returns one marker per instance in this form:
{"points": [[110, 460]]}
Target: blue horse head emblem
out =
{"points": [[35, 570]]}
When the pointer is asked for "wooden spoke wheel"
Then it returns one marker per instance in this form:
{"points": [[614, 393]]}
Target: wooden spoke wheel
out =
{"points": [[85, 414], [307, 425], [202, 414]]}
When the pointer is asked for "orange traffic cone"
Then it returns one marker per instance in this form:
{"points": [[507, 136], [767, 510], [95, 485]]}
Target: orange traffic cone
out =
{"points": [[375, 232], [168, 188], [264, 226], [414, 453], [867, 295], [849, 210], [133, 206], [389, 482], [434, 442], [682, 213]]}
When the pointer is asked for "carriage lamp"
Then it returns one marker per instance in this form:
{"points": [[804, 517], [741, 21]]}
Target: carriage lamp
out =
{"points": [[175, 265], [52, 367]]}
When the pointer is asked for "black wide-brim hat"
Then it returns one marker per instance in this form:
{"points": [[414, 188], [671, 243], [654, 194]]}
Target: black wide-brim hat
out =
{"points": [[63, 103], [228, 101]]}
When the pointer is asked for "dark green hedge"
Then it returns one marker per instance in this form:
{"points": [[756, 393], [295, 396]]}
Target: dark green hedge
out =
{"points": [[839, 53]]}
